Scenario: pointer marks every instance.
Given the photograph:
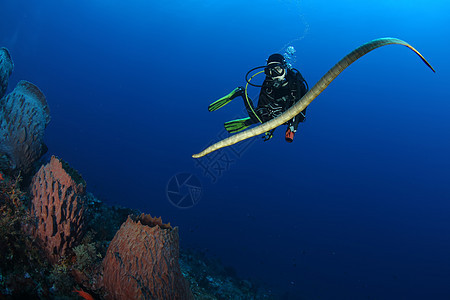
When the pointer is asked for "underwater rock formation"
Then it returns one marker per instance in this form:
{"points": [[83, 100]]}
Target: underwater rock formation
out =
{"points": [[142, 262], [6, 68], [58, 193], [24, 114]]}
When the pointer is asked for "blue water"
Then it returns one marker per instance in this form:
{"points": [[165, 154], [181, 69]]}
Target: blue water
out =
{"points": [[356, 208]]}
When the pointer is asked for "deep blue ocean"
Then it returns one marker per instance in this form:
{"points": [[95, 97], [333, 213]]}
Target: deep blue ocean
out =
{"points": [[357, 207]]}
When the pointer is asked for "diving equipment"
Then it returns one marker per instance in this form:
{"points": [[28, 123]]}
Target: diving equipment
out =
{"points": [[268, 135], [276, 67], [239, 91], [276, 57], [275, 71], [289, 135], [236, 125]]}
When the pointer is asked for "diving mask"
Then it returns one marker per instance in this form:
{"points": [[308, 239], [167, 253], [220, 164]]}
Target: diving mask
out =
{"points": [[275, 70]]}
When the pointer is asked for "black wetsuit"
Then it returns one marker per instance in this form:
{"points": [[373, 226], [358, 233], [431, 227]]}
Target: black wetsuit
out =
{"points": [[278, 96]]}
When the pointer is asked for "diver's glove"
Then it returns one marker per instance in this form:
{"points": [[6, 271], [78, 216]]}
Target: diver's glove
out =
{"points": [[290, 134], [268, 135]]}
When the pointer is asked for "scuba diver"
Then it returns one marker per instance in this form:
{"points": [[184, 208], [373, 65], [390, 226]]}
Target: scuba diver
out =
{"points": [[282, 88]]}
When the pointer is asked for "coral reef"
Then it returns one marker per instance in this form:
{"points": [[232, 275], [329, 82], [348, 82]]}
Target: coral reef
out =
{"points": [[210, 279], [6, 68], [55, 237], [58, 205], [20, 259], [25, 272], [81, 268], [142, 262], [24, 115]]}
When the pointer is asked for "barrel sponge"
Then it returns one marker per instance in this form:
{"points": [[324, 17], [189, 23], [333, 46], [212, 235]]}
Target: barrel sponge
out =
{"points": [[6, 68], [142, 262], [58, 197], [24, 115]]}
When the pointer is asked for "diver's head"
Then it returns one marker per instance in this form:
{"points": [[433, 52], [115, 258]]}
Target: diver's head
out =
{"points": [[276, 67]]}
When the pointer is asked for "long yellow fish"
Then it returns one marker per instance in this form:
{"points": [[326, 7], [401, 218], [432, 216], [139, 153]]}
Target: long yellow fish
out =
{"points": [[310, 95]]}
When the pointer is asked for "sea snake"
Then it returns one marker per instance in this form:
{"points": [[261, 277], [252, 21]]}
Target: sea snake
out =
{"points": [[310, 95]]}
